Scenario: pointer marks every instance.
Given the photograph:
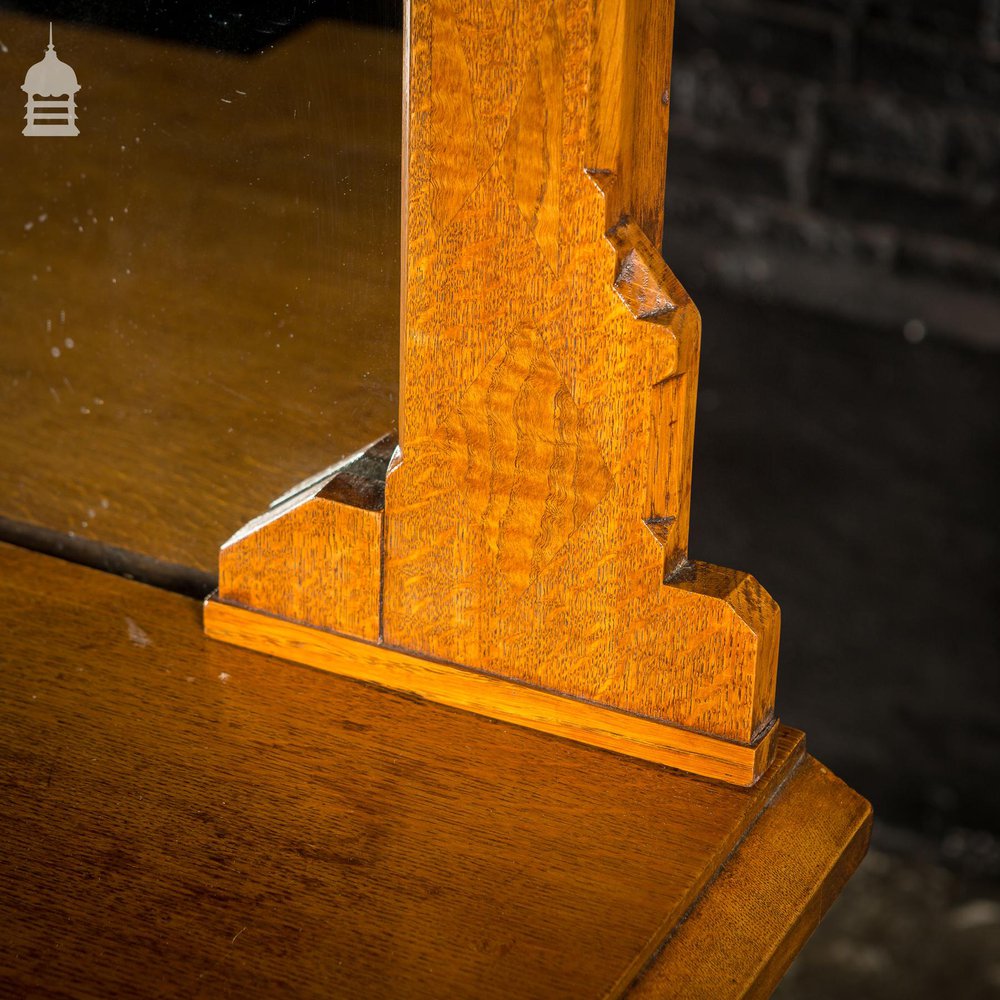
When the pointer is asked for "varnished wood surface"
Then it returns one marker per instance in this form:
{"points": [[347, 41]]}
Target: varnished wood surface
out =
{"points": [[220, 246], [181, 816]]}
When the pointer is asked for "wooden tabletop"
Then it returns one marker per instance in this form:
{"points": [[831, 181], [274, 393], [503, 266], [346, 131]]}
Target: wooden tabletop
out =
{"points": [[200, 292], [183, 818]]}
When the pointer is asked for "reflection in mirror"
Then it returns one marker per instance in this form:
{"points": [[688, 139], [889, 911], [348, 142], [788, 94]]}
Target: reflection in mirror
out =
{"points": [[200, 290]]}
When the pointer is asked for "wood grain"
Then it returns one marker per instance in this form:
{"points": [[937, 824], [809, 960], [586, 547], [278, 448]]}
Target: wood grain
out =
{"points": [[539, 513], [474, 691], [178, 811], [189, 243]]}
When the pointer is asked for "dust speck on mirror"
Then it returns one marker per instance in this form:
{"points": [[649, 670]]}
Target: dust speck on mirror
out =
{"points": [[202, 236]]}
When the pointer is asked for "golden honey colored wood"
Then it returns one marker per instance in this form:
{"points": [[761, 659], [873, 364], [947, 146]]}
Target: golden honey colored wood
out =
{"points": [[539, 509], [181, 811], [536, 511], [322, 537]]}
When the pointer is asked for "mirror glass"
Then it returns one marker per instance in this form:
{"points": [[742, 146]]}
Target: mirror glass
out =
{"points": [[200, 288]]}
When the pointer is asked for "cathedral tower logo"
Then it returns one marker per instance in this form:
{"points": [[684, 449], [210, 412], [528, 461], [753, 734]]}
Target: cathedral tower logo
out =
{"points": [[51, 87]]}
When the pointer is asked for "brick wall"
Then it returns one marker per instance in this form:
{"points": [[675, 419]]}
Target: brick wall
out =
{"points": [[837, 154], [843, 154]]}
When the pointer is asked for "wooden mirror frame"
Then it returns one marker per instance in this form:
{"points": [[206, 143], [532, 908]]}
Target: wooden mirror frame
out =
{"points": [[522, 550]]}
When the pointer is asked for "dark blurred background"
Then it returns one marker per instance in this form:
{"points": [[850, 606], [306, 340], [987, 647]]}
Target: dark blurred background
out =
{"points": [[833, 205]]}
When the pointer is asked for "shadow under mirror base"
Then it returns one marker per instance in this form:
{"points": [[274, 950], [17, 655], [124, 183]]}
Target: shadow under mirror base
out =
{"points": [[492, 696]]}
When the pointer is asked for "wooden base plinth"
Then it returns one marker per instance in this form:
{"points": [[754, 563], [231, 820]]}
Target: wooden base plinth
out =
{"points": [[494, 697]]}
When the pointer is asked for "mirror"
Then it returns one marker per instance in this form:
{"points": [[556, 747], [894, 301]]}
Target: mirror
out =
{"points": [[201, 289]]}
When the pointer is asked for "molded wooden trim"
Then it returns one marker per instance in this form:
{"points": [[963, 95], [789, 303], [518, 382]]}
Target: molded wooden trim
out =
{"points": [[768, 897]]}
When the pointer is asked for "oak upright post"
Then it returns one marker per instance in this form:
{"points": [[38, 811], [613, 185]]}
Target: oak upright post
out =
{"points": [[530, 541]]}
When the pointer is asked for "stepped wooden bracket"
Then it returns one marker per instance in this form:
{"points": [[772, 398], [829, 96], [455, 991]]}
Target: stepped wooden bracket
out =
{"points": [[522, 550]]}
